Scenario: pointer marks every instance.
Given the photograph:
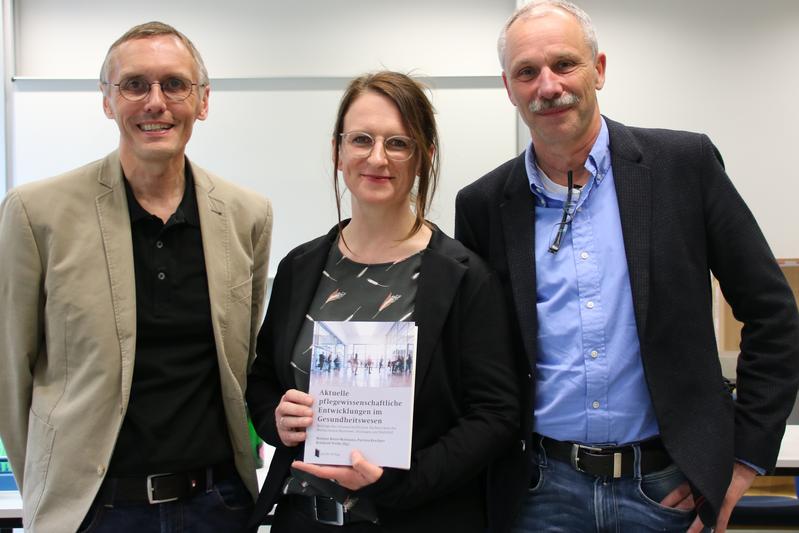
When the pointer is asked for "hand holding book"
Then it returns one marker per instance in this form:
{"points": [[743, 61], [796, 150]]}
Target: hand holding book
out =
{"points": [[293, 415], [357, 476]]}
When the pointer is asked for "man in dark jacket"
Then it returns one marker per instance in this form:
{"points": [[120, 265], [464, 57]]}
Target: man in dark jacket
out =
{"points": [[604, 237]]}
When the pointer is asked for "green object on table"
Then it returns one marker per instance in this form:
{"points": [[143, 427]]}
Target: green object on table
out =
{"points": [[255, 445], [5, 467]]}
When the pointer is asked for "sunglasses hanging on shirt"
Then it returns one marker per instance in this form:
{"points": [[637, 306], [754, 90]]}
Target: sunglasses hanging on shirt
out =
{"points": [[568, 212]]}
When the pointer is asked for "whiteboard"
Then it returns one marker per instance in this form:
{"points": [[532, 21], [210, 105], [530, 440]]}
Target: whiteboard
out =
{"points": [[274, 142]]}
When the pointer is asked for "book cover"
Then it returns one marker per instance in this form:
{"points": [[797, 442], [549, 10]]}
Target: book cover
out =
{"points": [[362, 379]]}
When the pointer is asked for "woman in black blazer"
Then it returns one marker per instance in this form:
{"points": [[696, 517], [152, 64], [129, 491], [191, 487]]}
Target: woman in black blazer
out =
{"points": [[466, 402]]}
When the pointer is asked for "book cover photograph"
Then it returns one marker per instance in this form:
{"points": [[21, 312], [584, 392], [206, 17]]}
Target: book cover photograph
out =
{"points": [[362, 381]]}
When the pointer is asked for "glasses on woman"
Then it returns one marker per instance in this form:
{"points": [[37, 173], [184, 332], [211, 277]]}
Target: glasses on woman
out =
{"points": [[360, 144], [137, 88]]}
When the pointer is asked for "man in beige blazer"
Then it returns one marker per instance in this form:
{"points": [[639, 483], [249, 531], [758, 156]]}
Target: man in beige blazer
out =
{"points": [[131, 291]]}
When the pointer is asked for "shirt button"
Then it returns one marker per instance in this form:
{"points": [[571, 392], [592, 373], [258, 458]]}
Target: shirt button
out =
{"points": [[159, 244], [100, 470], [584, 255], [595, 404], [161, 276], [590, 305], [594, 354]]}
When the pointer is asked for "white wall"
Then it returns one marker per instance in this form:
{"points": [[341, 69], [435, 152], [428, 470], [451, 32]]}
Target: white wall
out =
{"points": [[718, 66], [723, 67], [277, 70], [252, 38], [5, 178]]}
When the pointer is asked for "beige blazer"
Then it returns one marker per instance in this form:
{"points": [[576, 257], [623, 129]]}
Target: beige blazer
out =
{"points": [[68, 326]]}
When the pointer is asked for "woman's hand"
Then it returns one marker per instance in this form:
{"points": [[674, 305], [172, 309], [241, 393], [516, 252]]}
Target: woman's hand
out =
{"points": [[357, 476], [292, 416]]}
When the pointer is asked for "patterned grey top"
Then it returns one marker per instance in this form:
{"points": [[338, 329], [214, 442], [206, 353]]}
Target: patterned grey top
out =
{"points": [[354, 291]]}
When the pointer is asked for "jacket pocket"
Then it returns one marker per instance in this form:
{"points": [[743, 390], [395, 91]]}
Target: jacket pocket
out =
{"points": [[37, 462], [242, 291], [237, 333]]}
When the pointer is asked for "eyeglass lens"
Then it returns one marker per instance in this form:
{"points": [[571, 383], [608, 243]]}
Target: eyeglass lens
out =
{"points": [[361, 144], [137, 88]]}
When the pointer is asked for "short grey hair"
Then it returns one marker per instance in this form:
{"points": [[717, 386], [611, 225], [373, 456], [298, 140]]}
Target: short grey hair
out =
{"points": [[589, 33], [154, 29]]}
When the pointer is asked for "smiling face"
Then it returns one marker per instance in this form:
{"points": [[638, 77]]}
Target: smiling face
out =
{"points": [[552, 78], [376, 180], [155, 128]]}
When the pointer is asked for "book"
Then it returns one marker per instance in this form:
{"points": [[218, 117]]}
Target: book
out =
{"points": [[362, 379]]}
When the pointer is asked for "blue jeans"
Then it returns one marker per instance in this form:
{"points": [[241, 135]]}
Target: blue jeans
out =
{"points": [[564, 500], [224, 507]]}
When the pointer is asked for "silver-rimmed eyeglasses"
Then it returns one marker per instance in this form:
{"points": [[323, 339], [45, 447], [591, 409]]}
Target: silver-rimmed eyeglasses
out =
{"points": [[360, 144], [174, 88]]}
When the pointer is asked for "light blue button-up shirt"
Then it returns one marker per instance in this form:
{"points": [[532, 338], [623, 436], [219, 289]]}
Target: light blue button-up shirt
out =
{"points": [[590, 384]]}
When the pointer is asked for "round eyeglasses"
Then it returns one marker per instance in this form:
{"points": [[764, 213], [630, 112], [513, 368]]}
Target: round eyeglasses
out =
{"points": [[137, 88], [360, 144]]}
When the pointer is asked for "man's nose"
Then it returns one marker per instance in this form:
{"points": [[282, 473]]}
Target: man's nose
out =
{"points": [[550, 85], [155, 100]]}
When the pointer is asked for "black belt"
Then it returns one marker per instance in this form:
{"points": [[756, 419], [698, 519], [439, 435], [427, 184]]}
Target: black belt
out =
{"points": [[321, 509], [612, 462], [166, 487], [325, 501]]}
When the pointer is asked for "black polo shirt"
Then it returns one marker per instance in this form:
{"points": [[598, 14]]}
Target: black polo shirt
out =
{"points": [[175, 419]]}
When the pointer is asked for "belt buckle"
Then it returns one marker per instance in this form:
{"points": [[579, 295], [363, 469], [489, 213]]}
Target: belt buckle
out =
{"points": [[151, 489], [575, 459], [339, 521]]}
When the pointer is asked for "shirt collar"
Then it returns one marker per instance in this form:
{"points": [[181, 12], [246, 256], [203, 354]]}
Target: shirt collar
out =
{"points": [[598, 164], [186, 211]]}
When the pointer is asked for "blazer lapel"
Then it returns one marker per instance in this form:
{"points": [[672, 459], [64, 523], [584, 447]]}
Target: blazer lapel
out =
{"points": [[306, 270], [634, 193], [518, 219], [216, 251], [114, 220], [439, 279]]}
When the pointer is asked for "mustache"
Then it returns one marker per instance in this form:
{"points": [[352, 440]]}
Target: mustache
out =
{"points": [[565, 100]]}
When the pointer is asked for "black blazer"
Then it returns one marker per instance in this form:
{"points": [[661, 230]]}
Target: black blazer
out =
{"points": [[466, 398], [681, 219]]}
